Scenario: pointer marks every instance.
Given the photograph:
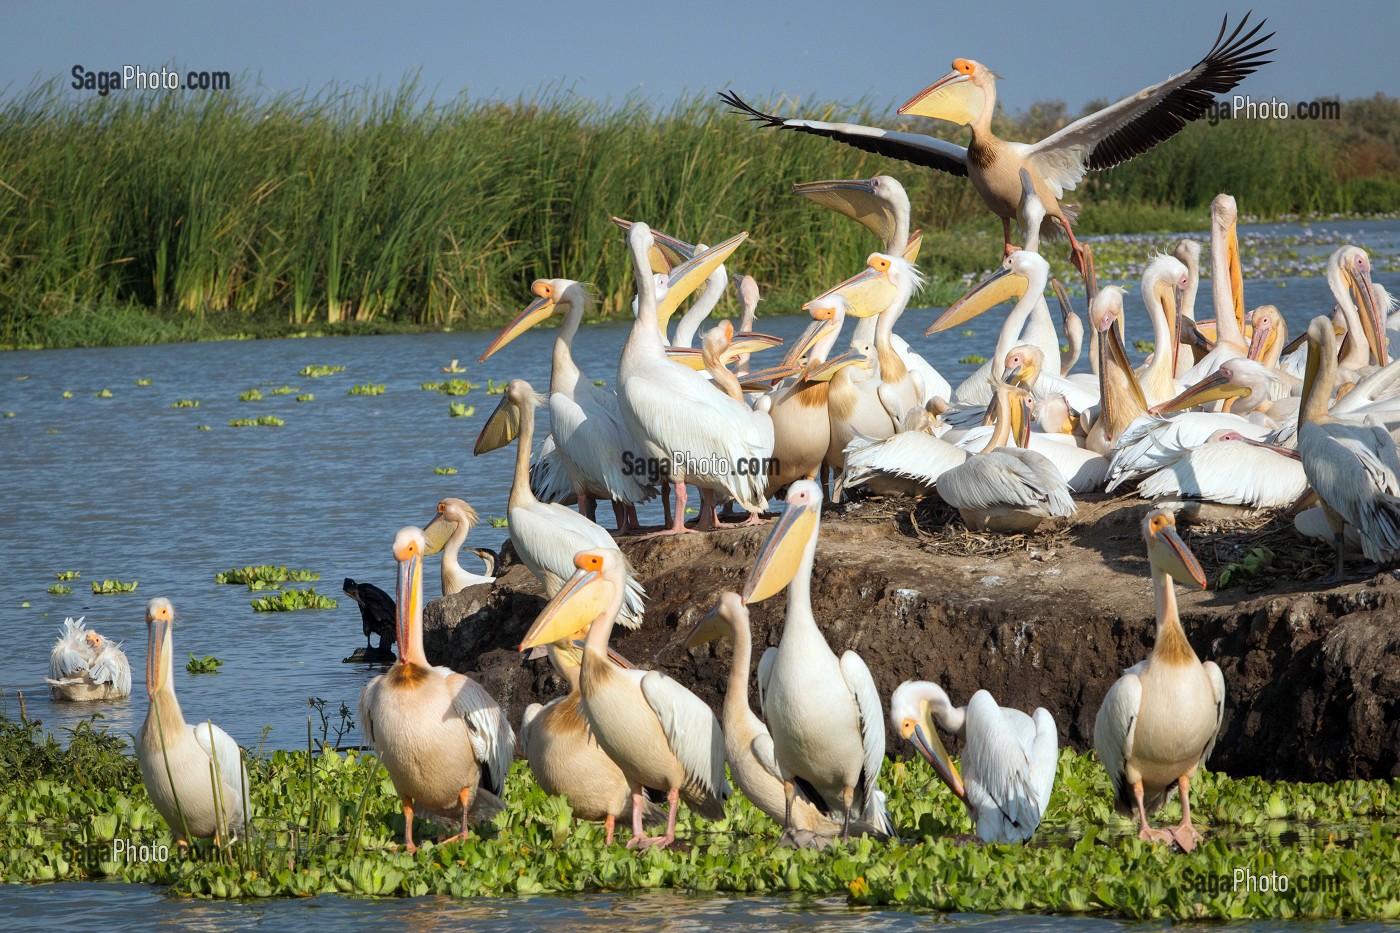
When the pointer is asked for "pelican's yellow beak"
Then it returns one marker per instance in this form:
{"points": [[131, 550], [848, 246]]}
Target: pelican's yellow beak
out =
{"points": [[952, 97], [1212, 388], [1232, 253], [1371, 323], [823, 372], [924, 737], [867, 293], [437, 531], [1021, 418], [707, 629], [1264, 336], [500, 429], [750, 342], [1173, 555], [665, 253], [813, 335], [538, 310], [409, 598], [911, 249], [571, 612], [782, 553], [687, 277], [156, 647], [1001, 285]]}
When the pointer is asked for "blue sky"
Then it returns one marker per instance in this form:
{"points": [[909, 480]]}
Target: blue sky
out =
{"points": [[821, 49]]}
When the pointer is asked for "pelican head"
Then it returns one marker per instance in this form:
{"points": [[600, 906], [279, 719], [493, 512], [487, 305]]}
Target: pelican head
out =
{"points": [[728, 614], [160, 614], [548, 296], [450, 514], [1234, 378], [885, 280], [595, 587], [504, 424], [828, 314], [409, 548], [792, 535], [1021, 272], [959, 97], [664, 252], [93, 639], [879, 204], [911, 712], [1168, 552], [687, 277], [1023, 365], [1352, 267]]}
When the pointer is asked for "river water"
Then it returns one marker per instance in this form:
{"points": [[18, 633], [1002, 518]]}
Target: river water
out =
{"points": [[125, 487]]}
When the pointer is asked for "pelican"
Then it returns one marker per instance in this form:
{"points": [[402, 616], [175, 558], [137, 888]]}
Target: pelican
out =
{"points": [[1074, 329], [1352, 465], [908, 463], [564, 756], [1227, 290], [801, 423], [747, 743], [585, 423], [85, 666], [1188, 252], [661, 735], [1025, 367], [1008, 758], [1158, 722], [679, 417], [1231, 469], [545, 535], [1253, 386], [445, 742], [1153, 442], [194, 774], [967, 96], [1349, 277], [1121, 399], [1163, 278], [823, 712], [447, 532]]}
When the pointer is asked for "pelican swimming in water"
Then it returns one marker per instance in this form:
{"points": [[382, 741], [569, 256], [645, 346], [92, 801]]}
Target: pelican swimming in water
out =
{"points": [[1008, 758], [662, 736], [1108, 137], [445, 742], [447, 532], [1158, 722], [823, 712], [194, 773], [85, 666]]}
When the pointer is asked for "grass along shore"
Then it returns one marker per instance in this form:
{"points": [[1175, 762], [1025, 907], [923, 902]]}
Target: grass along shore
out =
{"points": [[329, 823], [133, 219]]}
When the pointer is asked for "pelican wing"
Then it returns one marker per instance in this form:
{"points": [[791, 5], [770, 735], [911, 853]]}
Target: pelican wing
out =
{"points": [[1353, 467], [1137, 123], [592, 438], [548, 537], [227, 757], [868, 802], [765, 673], [1007, 476], [112, 667], [916, 148], [907, 455], [1230, 472], [70, 653], [493, 741], [549, 477], [1045, 757], [527, 720], [1003, 796], [1217, 686], [762, 748], [692, 731], [1115, 727]]}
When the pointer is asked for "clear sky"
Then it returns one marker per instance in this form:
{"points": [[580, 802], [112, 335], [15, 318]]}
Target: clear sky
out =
{"points": [[842, 50]]}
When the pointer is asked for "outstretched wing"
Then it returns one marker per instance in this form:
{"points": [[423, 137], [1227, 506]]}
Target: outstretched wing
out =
{"points": [[916, 148], [493, 740], [112, 667]]}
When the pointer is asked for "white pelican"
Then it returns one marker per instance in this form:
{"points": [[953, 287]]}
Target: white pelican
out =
{"points": [[447, 532], [1253, 387], [1230, 469], [703, 305], [1025, 366], [1008, 758], [1188, 253], [564, 756], [1227, 290], [661, 735], [1153, 442], [823, 712], [682, 421], [1073, 325], [1164, 277], [85, 666], [545, 535], [194, 774], [1349, 277], [907, 463], [584, 418], [1120, 397], [747, 742], [445, 742], [1158, 722], [1352, 465], [967, 96], [801, 423]]}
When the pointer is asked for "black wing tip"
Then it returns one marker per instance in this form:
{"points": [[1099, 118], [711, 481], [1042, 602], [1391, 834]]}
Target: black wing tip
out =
{"points": [[739, 105]]}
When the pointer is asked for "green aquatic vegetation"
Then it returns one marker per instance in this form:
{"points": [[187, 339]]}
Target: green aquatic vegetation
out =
{"points": [[965, 333], [265, 573], [67, 575], [460, 410], [9, 414], [144, 382], [366, 388], [185, 403], [317, 372], [495, 388], [600, 382], [497, 522], [1144, 346], [265, 421], [306, 397], [203, 427], [450, 386], [285, 390], [108, 587], [205, 665], [58, 589], [67, 394], [102, 393], [292, 600], [445, 471], [974, 359], [252, 395]]}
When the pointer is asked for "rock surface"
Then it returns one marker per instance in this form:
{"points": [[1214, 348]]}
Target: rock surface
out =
{"points": [[1312, 672]]}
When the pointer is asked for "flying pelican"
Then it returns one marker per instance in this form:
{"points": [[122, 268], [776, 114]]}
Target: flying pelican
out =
{"points": [[661, 735], [447, 532], [564, 756], [194, 774], [1008, 758], [545, 535], [377, 617], [445, 742], [584, 418], [967, 96], [1158, 722], [747, 743], [1352, 465], [85, 666], [823, 712]]}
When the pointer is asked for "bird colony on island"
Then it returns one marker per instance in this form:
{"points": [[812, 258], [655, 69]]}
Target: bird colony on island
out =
{"points": [[1225, 417]]}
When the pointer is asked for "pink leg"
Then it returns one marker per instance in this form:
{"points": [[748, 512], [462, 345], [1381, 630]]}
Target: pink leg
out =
{"points": [[408, 825], [620, 516], [1008, 246], [1184, 833], [708, 520], [755, 518], [1145, 832], [609, 825], [676, 526]]}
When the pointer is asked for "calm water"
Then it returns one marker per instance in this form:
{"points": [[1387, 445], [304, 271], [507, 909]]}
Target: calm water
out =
{"points": [[127, 488]]}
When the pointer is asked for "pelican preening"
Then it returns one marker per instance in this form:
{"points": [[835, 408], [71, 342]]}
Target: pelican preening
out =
{"points": [[444, 741], [85, 666], [194, 773]]}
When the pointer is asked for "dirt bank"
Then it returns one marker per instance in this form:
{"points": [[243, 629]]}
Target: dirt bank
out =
{"points": [[1312, 672]]}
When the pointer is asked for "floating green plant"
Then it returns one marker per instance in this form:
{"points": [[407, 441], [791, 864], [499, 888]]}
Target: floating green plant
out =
{"points": [[67, 394], [460, 410], [265, 573], [316, 372], [495, 388], [965, 333], [600, 382], [974, 359], [67, 575], [306, 397], [445, 471], [185, 403], [204, 427], [58, 589], [9, 414], [498, 522], [292, 600], [102, 393], [366, 388], [266, 421], [1144, 346], [252, 395], [108, 587], [450, 387], [284, 390], [205, 665], [144, 382]]}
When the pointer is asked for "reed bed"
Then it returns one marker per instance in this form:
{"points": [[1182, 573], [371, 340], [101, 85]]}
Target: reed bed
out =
{"points": [[136, 218]]}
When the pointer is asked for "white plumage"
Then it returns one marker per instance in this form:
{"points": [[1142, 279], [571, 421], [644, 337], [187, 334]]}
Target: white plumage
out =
{"points": [[85, 666]]}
